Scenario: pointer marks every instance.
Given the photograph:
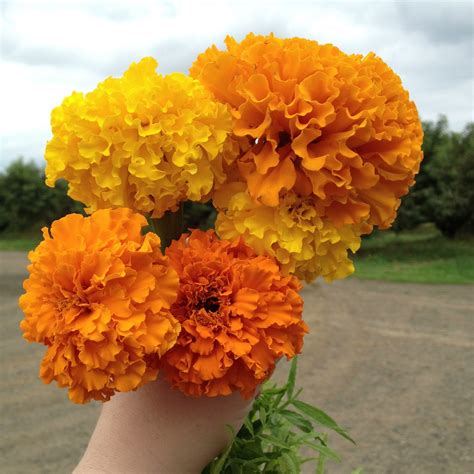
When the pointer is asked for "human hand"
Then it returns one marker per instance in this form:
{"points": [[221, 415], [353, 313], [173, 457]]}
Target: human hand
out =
{"points": [[159, 430]]}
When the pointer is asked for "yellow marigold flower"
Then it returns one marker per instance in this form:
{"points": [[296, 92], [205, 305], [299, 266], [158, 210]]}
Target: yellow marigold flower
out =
{"points": [[99, 296], [337, 127], [143, 141], [293, 233]]}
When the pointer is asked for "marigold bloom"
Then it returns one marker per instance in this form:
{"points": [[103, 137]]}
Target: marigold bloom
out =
{"points": [[99, 296], [143, 141], [338, 127], [304, 244], [238, 315]]}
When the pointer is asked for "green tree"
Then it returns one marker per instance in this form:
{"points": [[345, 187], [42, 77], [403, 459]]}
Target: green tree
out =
{"points": [[417, 207], [26, 203], [453, 171], [444, 188]]}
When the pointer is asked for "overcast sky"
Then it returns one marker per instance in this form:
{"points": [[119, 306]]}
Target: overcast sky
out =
{"points": [[51, 48]]}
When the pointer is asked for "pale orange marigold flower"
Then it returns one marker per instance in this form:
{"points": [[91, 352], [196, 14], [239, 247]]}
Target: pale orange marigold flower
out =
{"points": [[293, 233], [317, 121], [99, 296], [238, 316]]}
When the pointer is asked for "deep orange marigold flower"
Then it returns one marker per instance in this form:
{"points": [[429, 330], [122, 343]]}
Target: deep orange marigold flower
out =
{"points": [[99, 296], [238, 315], [317, 121]]}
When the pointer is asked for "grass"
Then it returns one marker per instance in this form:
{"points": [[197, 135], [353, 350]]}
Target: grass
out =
{"points": [[420, 256], [20, 243]]}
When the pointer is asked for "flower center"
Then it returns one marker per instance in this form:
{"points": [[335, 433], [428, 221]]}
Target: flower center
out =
{"points": [[211, 313], [299, 208], [284, 138], [211, 305], [300, 211], [67, 303]]}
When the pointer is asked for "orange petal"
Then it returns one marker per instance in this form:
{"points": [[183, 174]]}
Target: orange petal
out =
{"points": [[267, 188]]}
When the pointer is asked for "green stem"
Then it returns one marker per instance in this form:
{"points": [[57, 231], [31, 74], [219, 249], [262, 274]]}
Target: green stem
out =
{"points": [[169, 227]]}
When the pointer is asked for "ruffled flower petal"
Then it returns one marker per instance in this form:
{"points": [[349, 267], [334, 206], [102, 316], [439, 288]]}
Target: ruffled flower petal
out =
{"points": [[293, 233], [98, 297], [238, 316], [143, 141], [344, 121]]}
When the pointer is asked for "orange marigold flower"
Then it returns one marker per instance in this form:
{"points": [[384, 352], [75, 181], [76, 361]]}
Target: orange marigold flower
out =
{"points": [[238, 315], [99, 296], [318, 121]]}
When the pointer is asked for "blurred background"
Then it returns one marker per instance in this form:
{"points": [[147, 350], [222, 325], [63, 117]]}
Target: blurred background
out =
{"points": [[390, 353]]}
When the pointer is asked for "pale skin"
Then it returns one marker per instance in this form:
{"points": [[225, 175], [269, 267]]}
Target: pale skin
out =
{"points": [[161, 431]]}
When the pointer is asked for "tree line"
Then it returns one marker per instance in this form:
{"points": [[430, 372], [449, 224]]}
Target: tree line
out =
{"points": [[444, 190], [26, 203], [443, 193]]}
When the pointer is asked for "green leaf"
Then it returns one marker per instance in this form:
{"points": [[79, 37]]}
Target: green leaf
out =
{"points": [[288, 463], [320, 448], [320, 417], [273, 391], [262, 414], [251, 450], [297, 420], [291, 460], [275, 441], [292, 377], [217, 467], [249, 426], [279, 397], [320, 466]]}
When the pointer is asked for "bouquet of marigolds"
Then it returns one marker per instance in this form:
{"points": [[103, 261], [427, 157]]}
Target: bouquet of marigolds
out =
{"points": [[297, 148]]}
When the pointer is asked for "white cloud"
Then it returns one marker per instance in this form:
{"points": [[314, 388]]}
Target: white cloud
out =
{"points": [[50, 48]]}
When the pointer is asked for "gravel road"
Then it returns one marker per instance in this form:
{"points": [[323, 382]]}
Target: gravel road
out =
{"points": [[394, 363]]}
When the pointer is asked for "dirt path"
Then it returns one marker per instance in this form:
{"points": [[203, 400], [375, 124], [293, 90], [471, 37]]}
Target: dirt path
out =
{"points": [[394, 363]]}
